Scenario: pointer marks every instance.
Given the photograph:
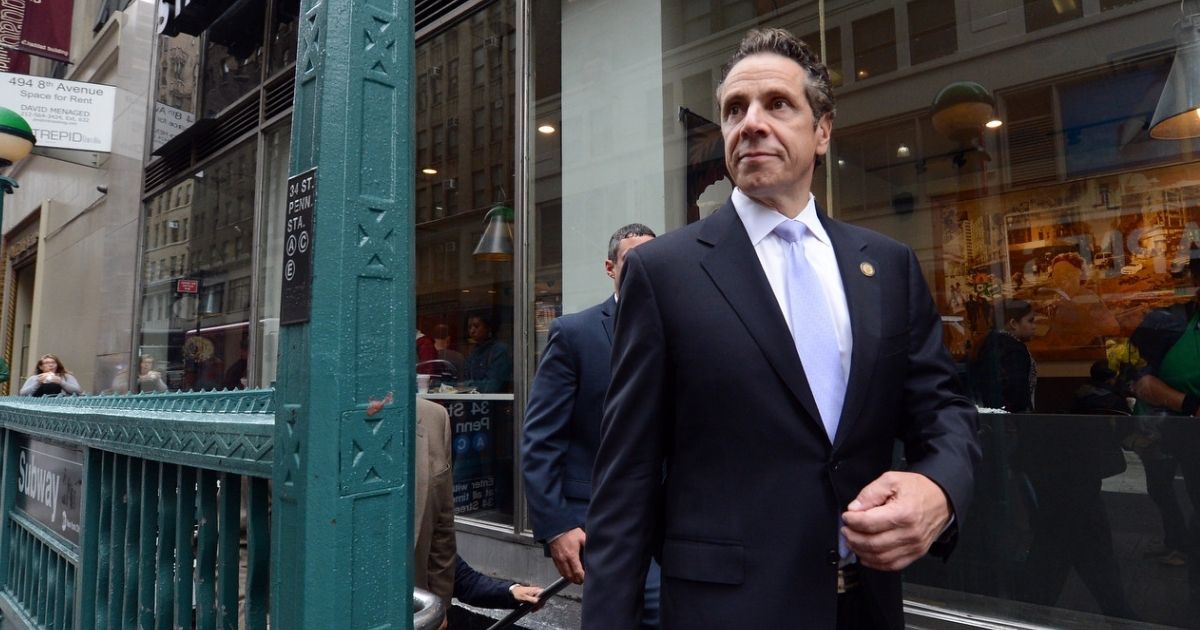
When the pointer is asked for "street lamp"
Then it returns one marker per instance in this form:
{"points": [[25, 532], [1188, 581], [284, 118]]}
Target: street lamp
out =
{"points": [[16, 141]]}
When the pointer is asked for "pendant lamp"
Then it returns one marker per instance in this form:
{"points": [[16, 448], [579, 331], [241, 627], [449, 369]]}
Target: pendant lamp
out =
{"points": [[496, 244], [1178, 113]]}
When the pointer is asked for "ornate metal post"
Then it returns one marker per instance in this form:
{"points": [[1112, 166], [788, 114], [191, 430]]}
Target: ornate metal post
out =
{"points": [[342, 515]]}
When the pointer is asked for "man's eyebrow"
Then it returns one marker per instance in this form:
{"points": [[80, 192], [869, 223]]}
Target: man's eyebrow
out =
{"points": [[729, 96]]}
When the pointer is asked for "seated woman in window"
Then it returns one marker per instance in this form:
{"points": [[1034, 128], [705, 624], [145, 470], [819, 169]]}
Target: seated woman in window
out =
{"points": [[489, 366], [52, 379]]}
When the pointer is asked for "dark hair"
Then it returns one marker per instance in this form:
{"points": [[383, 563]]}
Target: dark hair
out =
{"points": [[1101, 372], [778, 41], [1015, 309], [441, 331], [629, 231], [484, 318]]}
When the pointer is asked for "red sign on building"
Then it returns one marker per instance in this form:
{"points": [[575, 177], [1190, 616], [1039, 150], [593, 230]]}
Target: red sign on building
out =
{"points": [[187, 285], [36, 28]]}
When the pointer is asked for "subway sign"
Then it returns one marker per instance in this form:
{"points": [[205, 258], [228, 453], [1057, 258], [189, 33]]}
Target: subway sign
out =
{"points": [[50, 484]]}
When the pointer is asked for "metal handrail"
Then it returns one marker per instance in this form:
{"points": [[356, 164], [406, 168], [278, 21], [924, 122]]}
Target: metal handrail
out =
{"points": [[427, 610]]}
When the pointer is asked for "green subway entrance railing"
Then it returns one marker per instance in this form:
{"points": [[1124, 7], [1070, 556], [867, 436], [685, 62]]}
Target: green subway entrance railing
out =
{"points": [[146, 511]]}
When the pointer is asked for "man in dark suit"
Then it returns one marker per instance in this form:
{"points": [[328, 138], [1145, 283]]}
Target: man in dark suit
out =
{"points": [[562, 423], [484, 591], [765, 360]]}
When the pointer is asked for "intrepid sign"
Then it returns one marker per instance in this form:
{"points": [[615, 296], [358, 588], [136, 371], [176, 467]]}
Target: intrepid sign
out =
{"points": [[63, 114]]}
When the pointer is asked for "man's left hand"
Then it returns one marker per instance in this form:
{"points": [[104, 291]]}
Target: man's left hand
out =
{"points": [[526, 594], [895, 519]]}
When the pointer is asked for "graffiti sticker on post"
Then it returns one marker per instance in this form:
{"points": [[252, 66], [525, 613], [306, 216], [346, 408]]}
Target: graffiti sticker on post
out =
{"points": [[296, 292]]}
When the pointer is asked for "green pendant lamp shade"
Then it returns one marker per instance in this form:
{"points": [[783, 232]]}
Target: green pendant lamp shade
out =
{"points": [[496, 244], [16, 137]]}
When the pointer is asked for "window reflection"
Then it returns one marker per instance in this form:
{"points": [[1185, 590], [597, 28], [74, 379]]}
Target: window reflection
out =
{"points": [[284, 26], [1049, 192], [175, 98], [233, 55], [277, 144], [196, 285], [464, 337]]}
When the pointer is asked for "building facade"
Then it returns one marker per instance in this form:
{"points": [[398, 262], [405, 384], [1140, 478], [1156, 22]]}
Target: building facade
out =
{"points": [[71, 229], [1008, 143]]}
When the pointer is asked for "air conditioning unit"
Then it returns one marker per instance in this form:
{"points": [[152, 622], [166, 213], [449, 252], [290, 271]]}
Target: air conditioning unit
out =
{"points": [[435, 71], [492, 41], [451, 184], [452, 121]]}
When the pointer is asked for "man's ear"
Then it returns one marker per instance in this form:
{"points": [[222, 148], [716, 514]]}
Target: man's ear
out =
{"points": [[824, 132], [610, 268]]}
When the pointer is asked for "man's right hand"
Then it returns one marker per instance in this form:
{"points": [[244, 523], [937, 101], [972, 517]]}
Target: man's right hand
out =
{"points": [[567, 553]]}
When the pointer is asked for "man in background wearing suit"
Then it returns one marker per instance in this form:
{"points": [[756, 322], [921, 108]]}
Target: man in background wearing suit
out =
{"points": [[765, 361], [562, 423], [434, 550]]}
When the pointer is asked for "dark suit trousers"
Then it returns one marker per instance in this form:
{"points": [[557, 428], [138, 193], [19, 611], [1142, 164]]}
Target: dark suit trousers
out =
{"points": [[855, 612]]}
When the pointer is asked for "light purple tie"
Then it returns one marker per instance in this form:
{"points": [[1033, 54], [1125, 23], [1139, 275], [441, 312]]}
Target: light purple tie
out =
{"points": [[812, 328], [815, 336]]}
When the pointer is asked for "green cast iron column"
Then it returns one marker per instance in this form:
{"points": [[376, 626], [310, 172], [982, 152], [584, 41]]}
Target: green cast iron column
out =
{"points": [[342, 516]]}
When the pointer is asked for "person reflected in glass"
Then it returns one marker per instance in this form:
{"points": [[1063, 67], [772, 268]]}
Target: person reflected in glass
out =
{"points": [[455, 362], [1168, 339], [149, 379], [1004, 374], [1077, 316], [1066, 461], [235, 376], [1101, 394], [52, 379], [489, 365]]}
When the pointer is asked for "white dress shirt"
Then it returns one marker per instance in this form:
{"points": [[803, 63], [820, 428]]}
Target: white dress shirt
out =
{"points": [[760, 222]]}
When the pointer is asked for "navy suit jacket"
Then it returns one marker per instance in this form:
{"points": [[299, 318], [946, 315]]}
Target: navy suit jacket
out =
{"points": [[482, 591], [707, 384], [562, 421]]}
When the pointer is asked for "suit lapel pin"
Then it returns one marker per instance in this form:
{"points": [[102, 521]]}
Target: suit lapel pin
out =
{"points": [[867, 269]]}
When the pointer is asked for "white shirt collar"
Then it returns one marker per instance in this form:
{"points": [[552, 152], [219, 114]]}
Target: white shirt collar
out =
{"points": [[761, 220]]}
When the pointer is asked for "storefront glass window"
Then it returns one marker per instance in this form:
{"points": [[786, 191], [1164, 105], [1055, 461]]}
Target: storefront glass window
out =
{"points": [[196, 308], [284, 26], [175, 101], [233, 55], [464, 264], [276, 144], [874, 44], [1041, 185]]}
